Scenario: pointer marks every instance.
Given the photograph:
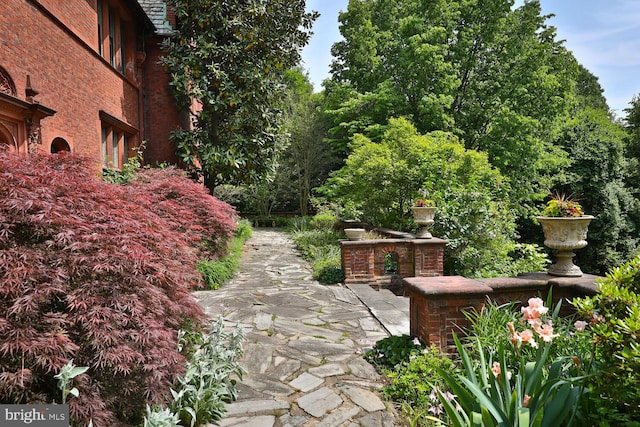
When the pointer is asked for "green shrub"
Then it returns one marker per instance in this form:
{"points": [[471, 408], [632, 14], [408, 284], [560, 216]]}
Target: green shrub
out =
{"points": [[613, 316], [324, 221], [128, 172], [389, 352], [320, 248], [244, 231], [299, 224], [415, 378], [308, 242]]}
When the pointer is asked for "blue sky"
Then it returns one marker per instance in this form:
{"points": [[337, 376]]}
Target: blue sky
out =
{"points": [[604, 35]]}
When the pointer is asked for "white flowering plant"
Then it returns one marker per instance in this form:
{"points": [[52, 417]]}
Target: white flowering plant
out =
{"points": [[536, 392]]}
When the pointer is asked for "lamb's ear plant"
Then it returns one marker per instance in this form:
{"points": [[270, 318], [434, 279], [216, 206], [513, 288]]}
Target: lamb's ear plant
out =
{"points": [[538, 393], [160, 417], [65, 377], [207, 384]]}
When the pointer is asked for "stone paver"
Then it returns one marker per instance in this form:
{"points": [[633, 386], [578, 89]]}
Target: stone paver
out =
{"points": [[304, 342]]}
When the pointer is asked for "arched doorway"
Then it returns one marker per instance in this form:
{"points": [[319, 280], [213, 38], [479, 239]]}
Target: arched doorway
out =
{"points": [[58, 145]]}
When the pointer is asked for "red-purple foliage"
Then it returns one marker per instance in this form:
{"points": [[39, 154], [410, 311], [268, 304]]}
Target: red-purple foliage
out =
{"points": [[188, 208], [98, 273]]}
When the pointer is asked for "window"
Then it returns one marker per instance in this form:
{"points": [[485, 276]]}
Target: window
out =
{"points": [[112, 34], [58, 145], [115, 152], [118, 138], [100, 30]]}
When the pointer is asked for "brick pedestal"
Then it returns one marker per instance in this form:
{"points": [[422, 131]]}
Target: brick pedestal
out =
{"points": [[437, 305], [363, 260]]}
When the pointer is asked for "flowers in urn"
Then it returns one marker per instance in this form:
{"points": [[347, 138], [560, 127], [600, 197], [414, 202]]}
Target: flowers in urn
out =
{"points": [[565, 229], [561, 205], [424, 203], [423, 213]]}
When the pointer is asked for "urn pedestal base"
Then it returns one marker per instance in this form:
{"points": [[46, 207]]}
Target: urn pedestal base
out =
{"points": [[565, 267]]}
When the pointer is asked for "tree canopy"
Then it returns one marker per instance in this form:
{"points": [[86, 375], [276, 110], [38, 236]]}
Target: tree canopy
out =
{"points": [[490, 73], [229, 58]]}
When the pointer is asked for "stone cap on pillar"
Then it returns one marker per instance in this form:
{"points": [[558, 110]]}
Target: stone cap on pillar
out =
{"points": [[446, 285]]}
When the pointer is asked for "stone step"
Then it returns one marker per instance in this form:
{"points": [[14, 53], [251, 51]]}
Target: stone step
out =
{"points": [[390, 310]]}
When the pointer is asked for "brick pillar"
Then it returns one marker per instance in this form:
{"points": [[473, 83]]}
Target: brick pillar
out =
{"points": [[437, 306], [428, 257], [358, 261]]}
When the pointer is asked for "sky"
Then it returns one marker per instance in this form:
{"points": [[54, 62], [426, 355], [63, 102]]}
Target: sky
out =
{"points": [[604, 36]]}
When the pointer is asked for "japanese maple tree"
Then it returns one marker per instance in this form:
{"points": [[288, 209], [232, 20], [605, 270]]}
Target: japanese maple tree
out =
{"points": [[98, 273]]}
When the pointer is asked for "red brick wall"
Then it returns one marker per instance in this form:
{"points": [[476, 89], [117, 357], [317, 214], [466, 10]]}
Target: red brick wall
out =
{"points": [[79, 16], [71, 78], [437, 304], [363, 260], [160, 108]]}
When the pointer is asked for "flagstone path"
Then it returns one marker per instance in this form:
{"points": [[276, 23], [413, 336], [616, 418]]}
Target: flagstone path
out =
{"points": [[304, 341]]}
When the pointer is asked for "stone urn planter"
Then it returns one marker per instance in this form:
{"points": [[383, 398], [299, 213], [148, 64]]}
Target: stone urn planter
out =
{"points": [[565, 234], [354, 233], [423, 216]]}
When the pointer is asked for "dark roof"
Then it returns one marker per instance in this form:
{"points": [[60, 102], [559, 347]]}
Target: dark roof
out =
{"points": [[156, 10]]}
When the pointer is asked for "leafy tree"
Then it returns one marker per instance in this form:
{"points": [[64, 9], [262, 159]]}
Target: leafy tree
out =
{"points": [[381, 179], [308, 159], [632, 125], [492, 74], [589, 91], [598, 175], [228, 58]]}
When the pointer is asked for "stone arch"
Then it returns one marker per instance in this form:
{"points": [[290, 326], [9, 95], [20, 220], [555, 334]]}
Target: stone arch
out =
{"points": [[6, 83], [58, 145]]}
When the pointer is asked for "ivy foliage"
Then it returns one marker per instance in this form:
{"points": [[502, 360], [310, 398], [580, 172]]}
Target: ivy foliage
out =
{"points": [[229, 57]]}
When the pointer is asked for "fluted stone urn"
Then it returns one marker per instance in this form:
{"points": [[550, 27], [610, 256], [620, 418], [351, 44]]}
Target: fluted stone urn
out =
{"points": [[565, 234], [423, 216]]}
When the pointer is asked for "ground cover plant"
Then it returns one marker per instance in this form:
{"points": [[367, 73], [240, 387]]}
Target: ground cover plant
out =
{"points": [[415, 377], [216, 272], [98, 273]]}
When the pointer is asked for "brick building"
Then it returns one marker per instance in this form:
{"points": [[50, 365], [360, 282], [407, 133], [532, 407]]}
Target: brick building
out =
{"points": [[83, 76]]}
